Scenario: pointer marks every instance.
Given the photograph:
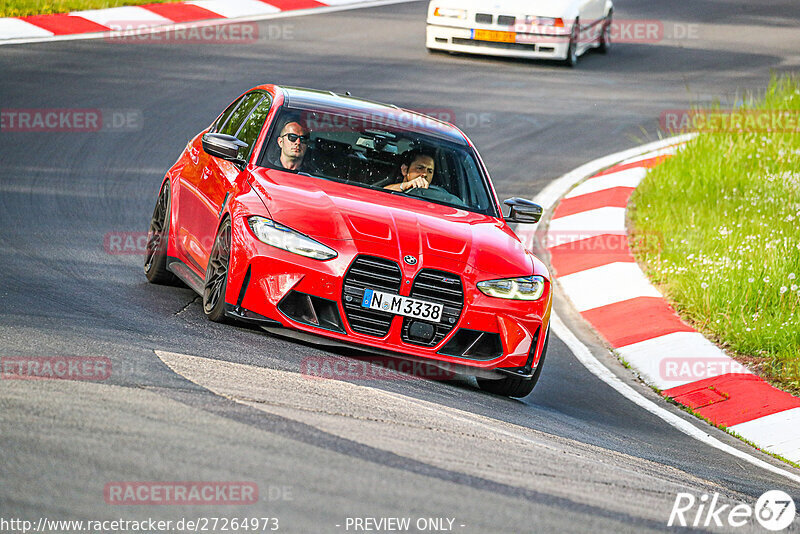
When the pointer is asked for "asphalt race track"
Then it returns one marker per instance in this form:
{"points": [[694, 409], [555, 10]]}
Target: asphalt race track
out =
{"points": [[189, 400]]}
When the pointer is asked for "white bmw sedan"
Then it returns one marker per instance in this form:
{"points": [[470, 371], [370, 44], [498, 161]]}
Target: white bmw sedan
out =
{"points": [[542, 29]]}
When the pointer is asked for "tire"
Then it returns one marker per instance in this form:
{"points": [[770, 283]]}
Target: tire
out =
{"points": [[605, 38], [217, 275], [155, 259], [572, 52], [512, 386]]}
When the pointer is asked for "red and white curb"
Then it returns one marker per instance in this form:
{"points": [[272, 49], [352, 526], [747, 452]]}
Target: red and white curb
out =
{"points": [[588, 245], [161, 17]]}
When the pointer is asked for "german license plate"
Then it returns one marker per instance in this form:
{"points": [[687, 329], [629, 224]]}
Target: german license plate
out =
{"points": [[406, 306], [495, 36]]}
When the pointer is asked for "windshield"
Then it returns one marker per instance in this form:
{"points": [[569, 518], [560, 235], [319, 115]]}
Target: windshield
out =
{"points": [[382, 153]]}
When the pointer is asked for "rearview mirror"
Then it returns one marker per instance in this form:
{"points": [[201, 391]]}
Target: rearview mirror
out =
{"points": [[523, 211], [223, 146]]}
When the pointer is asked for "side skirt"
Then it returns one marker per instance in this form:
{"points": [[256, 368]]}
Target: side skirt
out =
{"points": [[186, 274]]}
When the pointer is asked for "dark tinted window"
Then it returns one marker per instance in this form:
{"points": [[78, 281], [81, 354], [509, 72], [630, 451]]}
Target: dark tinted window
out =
{"points": [[368, 150], [239, 113], [225, 114], [250, 129]]}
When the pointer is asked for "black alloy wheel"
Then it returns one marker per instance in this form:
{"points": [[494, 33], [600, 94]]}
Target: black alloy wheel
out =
{"points": [[217, 275], [155, 260]]}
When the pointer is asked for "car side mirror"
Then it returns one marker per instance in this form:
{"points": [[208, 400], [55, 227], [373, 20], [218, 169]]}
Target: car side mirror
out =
{"points": [[523, 211], [223, 146]]}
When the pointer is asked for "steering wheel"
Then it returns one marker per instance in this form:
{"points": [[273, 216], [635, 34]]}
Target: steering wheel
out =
{"points": [[435, 192]]}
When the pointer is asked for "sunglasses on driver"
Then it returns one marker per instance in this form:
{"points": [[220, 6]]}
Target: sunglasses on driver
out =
{"points": [[293, 138]]}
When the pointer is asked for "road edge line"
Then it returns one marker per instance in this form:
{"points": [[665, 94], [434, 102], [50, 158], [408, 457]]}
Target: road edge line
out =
{"points": [[548, 197], [585, 356]]}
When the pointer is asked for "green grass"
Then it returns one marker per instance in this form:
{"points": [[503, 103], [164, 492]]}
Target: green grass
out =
{"points": [[21, 8], [727, 208]]}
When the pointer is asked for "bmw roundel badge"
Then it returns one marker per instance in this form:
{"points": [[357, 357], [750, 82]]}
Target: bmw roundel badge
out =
{"points": [[411, 260]]}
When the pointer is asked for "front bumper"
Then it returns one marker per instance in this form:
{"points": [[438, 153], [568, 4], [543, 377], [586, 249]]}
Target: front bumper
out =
{"points": [[273, 287], [527, 45]]}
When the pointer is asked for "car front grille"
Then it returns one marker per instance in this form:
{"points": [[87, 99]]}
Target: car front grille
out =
{"points": [[506, 20], [373, 273], [492, 44], [443, 288], [502, 20]]}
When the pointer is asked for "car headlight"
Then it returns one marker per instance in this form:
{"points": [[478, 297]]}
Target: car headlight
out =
{"points": [[450, 12], [526, 288], [544, 21], [285, 238]]}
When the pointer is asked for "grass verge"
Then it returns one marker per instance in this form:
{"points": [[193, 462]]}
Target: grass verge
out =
{"points": [[727, 210], [22, 8]]}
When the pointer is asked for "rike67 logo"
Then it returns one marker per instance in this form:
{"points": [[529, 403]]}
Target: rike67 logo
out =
{"points": [[775, 511]]}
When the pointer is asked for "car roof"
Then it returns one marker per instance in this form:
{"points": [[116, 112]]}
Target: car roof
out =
{"points": [[328, 101]]}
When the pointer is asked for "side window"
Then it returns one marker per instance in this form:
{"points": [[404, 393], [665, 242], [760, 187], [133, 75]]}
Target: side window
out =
{"points": [[238, 115], [249, 130], [227, 113]]}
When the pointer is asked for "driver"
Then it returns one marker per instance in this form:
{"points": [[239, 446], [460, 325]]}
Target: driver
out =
{"points": [[416, 170], [293, 141]]}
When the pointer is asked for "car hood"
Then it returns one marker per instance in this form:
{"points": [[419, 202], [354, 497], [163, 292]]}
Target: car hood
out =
{"points": [[399, 225], [540, 8]]}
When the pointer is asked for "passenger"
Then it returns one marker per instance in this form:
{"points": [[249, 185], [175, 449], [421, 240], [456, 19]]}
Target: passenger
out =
{"points": [[416, 170], [293, 140]]}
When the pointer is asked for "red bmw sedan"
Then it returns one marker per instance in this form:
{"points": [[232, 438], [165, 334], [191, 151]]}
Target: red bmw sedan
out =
{"points": [[358, 223]]}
